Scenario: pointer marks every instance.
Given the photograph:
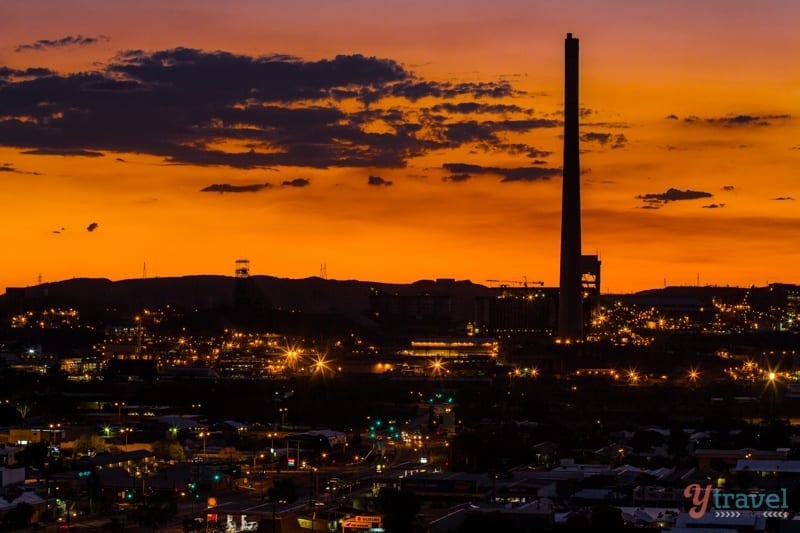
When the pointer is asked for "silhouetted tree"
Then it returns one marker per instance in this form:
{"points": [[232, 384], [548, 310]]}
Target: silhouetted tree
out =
{"points": [[89, 442], [168, 449]]}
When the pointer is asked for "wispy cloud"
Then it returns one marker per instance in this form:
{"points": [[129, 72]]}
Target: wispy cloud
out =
{"points": [[8, 167], [64, 152], [69, 40], [656, 200], [605, 139], [227, 187], [734, 119]]}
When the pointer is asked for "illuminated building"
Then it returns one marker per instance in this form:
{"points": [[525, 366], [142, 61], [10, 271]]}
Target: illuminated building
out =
{"points": [[516, 311], [466, 347]]}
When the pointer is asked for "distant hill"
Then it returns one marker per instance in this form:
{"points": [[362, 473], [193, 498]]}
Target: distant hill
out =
{"points": [[313, 295]]}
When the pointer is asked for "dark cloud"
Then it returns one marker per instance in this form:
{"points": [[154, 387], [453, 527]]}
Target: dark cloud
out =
{"points": [[464, 171], [227, 187], [65, 152], [297, 182], [672, 117], [657, 200], [619, 141], [713, 206], [585, 112], [747, 120], [379, 181], [605, 139], [728, 188], [486, 131], [784, 198], [601, 138], [181, 104], [735, 120], [69, 40], [29, 73], [464, 132], [91, 227]]}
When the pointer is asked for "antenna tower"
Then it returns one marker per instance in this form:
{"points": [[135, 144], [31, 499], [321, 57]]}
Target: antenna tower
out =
{"points": [[242, 268]]}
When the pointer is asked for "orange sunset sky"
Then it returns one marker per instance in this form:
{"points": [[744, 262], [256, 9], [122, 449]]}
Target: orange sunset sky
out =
{"points": [[396, 141]]}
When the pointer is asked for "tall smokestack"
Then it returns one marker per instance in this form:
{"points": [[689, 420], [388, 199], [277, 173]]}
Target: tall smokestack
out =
{"points": [[570, 315]]}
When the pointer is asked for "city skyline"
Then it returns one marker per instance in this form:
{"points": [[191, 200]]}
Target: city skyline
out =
{"points": [[397, 143]]}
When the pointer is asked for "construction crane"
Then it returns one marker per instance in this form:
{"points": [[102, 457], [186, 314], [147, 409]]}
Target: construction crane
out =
{"points": [[524, 282]]}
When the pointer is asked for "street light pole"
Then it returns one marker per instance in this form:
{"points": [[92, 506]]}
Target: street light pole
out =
{"points": [[203, 435], [256, 456], [311, 495], [119, 406]]}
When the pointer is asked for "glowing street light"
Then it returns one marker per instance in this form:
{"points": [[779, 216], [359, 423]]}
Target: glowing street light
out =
{"points": [[320, 364], [437, 366], [292, 354], [772, 377], [694, 376]]}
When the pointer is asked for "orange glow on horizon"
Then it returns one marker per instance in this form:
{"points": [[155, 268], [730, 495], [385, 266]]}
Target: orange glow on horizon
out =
{"points": [[702, 99]]}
